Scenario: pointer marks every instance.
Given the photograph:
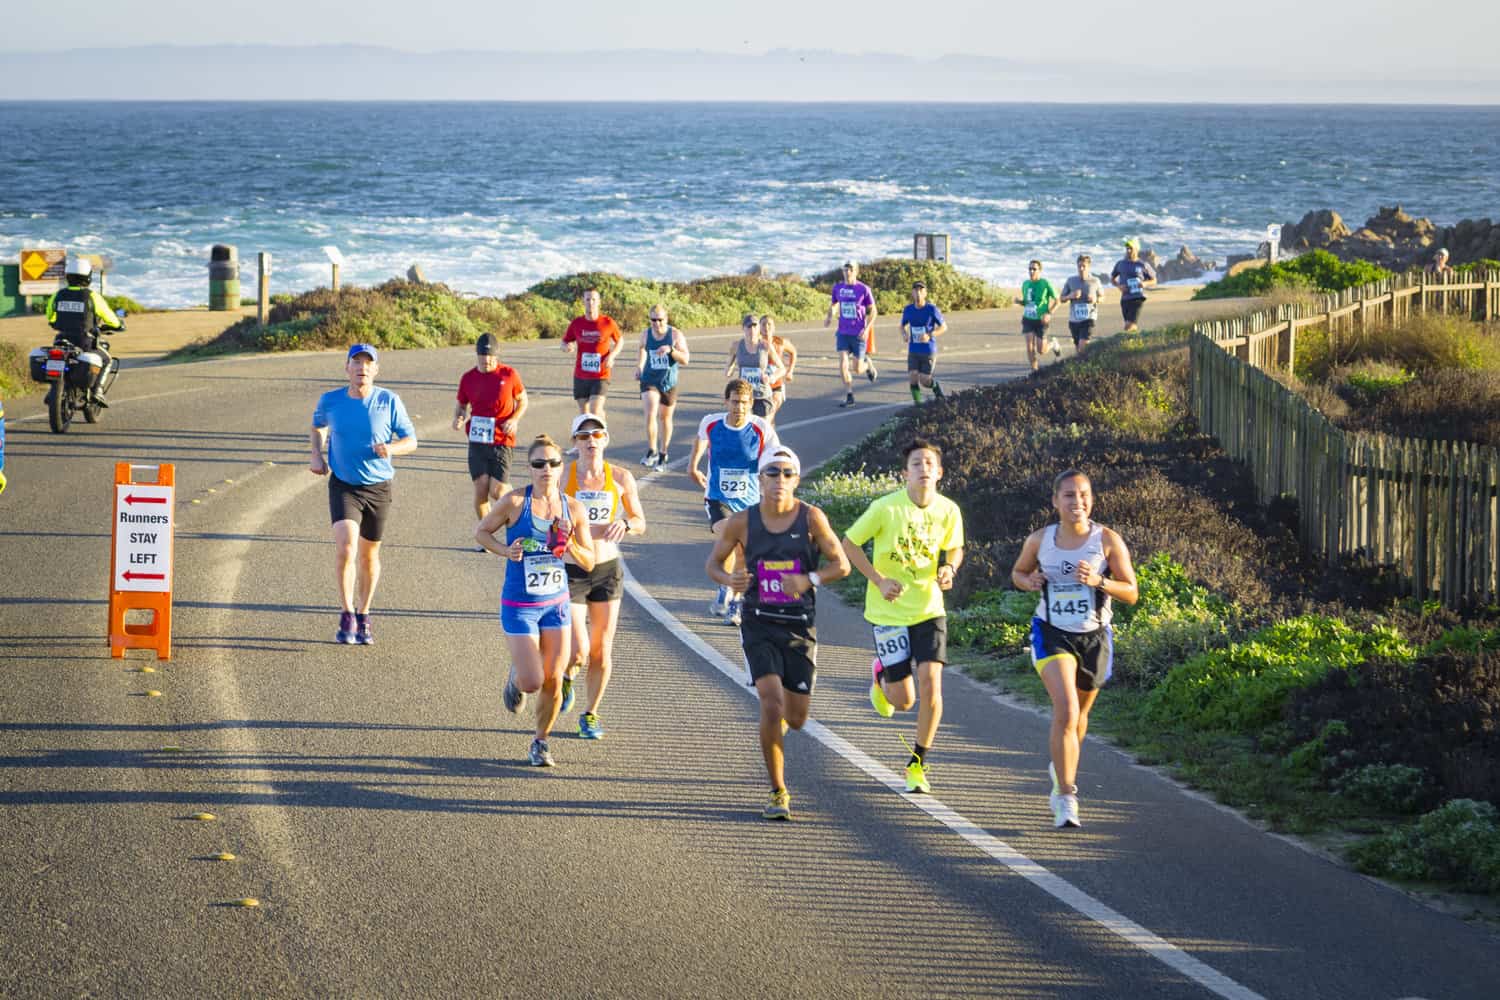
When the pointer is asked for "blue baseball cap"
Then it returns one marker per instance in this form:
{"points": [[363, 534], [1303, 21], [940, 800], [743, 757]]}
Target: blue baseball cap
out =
{"points": [[364, 349]]}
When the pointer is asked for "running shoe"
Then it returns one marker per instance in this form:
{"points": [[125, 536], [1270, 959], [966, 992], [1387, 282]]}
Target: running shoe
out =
{"points": [[937, 388], [540, 754], [870, 371], [780, 806], [719, 607], [649, 459], [916, 778], [1066, 813], [589, 728], [346, 628], [735, 612], [1056, 348], [661, 459], [514, 697], [362, 631], [881, 703], [568, 697], [848, 401]]}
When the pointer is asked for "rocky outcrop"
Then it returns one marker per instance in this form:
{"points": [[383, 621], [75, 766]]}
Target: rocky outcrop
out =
{"points": [[1185, 266], [1392, 238]]}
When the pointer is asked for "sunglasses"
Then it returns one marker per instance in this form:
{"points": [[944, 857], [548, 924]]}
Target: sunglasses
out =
{"points": [[778, 470], [586, 435], [658, 319], [542, 463]]}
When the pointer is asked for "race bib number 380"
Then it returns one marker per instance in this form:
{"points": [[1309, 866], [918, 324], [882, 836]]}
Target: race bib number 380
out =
{"points": [[892, 644]]}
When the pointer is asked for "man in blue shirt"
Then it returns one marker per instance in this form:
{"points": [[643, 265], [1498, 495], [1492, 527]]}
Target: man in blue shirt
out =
{"points": [[921, 325], [364, 427]]}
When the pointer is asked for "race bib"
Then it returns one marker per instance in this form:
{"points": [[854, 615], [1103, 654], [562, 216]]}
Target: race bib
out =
{"points": [[770, 574], [1070, 606], [69, 307], [660, 362], [1030, 312], [892, 644], [1133, 286], [751, 375], [919, 334], [599, 504], [591, 362], [482, 430], [545, 576], [1081, 312], [734, 484], [849, 310]]}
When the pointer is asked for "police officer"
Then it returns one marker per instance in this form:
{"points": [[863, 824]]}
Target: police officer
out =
{"points": [[77, 312]]}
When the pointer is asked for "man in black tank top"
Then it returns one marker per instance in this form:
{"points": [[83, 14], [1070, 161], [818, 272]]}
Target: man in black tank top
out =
{"points": [[783, 540]]}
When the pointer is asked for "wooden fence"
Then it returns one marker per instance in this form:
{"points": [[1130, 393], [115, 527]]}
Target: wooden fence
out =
{"points": [[1429, 511]]}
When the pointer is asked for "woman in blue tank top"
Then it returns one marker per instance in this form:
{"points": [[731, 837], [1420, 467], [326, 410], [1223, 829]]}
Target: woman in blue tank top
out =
{"points": [[542, 526]]}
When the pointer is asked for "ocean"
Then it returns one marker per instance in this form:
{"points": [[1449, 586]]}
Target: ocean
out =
{"points": [[492, 197]]}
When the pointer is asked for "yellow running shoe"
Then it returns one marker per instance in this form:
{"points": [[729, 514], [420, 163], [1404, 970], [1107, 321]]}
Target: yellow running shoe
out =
{"points": [[916, 778], [883, 707], [780, 806]]}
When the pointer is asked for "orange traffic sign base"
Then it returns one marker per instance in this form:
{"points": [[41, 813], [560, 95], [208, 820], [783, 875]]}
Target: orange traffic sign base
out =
{"points": [[157, 633]]}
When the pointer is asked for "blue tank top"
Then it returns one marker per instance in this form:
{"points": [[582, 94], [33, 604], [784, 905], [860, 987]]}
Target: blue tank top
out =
{"points": [[539, 578], [661, 369], [733, 454]]}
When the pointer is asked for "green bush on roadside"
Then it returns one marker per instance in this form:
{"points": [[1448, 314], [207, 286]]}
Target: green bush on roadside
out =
{"points": [[1316, 270], [1458, 842], [890, 280], [843, 496]]}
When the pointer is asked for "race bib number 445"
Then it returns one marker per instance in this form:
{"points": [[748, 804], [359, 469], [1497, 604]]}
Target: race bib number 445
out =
{"points": [[1070, 606]]}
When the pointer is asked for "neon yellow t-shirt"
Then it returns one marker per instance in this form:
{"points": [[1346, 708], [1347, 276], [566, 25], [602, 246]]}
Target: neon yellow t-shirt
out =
{"points": [[907, 539]]}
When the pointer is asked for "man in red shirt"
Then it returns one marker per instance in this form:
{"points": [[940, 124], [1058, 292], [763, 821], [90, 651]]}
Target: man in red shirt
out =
{"points": [[595, 340], [491, 400]]}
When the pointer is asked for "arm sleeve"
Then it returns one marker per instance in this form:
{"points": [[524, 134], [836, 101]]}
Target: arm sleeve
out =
{"points": [[866, 297], [571, 334], [954, 537], [1149, 270], [105, 314], [401, 425], [320, 412], [937, 316], [704, 424], [52, 308], [865, 527], [462, 397]]}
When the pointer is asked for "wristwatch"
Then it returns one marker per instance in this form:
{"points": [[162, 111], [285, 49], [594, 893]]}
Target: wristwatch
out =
{"points": [[814, 579]]}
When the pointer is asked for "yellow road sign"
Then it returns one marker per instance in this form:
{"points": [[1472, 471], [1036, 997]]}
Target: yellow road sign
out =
{"points": [[41, 270]]}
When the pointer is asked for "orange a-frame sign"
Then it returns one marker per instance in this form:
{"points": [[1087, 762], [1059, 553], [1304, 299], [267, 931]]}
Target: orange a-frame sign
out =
{"points": [[140, 563]]}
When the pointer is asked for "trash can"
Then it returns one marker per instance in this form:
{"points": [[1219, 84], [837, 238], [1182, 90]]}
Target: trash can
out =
{"points": [[223, 278]]}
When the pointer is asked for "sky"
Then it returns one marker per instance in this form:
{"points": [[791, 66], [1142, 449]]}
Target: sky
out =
{"points": [[1365, 39]]}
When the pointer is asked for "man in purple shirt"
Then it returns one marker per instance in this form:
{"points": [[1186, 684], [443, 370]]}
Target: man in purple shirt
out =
{"points": [[854, 306]]}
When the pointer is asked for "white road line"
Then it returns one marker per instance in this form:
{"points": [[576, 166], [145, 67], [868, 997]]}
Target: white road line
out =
{"points": [[127, 399], [1054, 885]]}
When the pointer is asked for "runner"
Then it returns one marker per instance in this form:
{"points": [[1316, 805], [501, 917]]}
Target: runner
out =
{"points": [[1083, 292], [596, 341], [922, 324], [919, 538], [492, 398], [542, 527], [783, 539], [612, 509], [364, 427], [1038, 302], [752, 359], [1080, 568], [663, 350], [1132, 276], [786, 353], [854, 305], [734, 441]]}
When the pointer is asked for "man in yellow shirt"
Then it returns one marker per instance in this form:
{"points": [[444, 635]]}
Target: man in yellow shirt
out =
{"points": [[918, 537]]}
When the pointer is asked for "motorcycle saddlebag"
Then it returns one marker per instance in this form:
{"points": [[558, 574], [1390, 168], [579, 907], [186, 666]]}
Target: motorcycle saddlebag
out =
{"points": [[38, 359]]}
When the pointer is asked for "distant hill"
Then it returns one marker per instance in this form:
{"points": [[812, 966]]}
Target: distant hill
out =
{"points": [[352, 72]]}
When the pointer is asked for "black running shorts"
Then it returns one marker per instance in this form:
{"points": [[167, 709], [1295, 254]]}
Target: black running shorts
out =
{"points": [[366, 506]]}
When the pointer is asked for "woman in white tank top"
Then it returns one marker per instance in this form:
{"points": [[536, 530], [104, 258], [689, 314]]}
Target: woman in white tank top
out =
{"points": [[1079, 569]]}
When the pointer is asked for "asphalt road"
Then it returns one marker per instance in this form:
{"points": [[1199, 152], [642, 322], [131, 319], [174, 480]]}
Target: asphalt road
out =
{"points": [[380, 808]]}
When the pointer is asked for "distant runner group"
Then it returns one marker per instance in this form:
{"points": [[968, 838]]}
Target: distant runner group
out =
{"points": [[560, 535]]}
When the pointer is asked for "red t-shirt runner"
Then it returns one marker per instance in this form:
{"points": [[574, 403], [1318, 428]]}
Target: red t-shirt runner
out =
{"points": [[490, 396], [595, 338]]}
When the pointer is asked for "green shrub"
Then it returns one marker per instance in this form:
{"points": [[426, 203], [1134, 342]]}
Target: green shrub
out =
{"points": [[1317, 270], [1174, 619], [1457, 843], [15, 372], [1481, 266], [845, 495], [993, 620], [1391, 788], [131, 306], [1370, 380], [890, 280], [1244, 686]]}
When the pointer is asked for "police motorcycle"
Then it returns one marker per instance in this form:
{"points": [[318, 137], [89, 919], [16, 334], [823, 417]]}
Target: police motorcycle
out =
{"points": [[77, 366]]}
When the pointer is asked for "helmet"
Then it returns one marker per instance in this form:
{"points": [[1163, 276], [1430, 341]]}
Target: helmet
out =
{"points": [[78, 265]]}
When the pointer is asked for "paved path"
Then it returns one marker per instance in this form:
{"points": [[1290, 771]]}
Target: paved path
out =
{"points": [[380, 808]]}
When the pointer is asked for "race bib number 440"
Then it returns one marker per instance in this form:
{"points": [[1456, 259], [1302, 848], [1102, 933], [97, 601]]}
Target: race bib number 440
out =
{"points": [[591, 362]]}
